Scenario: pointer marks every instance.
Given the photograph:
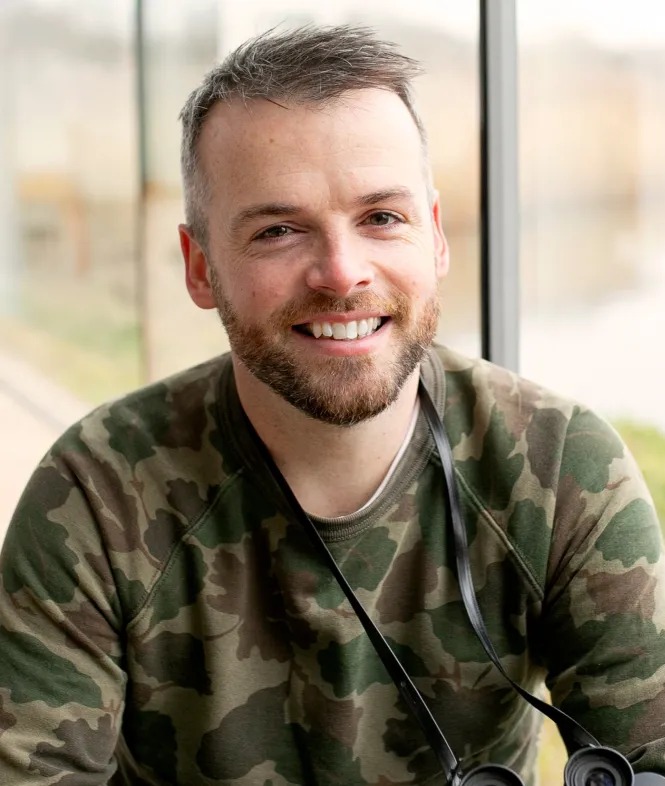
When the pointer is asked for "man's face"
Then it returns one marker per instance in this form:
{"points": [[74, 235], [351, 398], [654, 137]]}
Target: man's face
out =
{"points": [[323, 250]]}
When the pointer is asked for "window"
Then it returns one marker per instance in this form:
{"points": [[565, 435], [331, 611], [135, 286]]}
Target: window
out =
{"points": [[67, 142]]}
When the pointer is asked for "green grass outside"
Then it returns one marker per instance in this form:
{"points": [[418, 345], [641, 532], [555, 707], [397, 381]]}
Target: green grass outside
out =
{"points": [[647, 444]]}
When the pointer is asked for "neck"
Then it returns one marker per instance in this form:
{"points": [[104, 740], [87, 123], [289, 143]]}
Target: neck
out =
{"points": [[318, 459]]}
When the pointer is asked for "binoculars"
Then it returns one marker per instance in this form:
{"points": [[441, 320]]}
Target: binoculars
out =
{"points": [[592, 766]]}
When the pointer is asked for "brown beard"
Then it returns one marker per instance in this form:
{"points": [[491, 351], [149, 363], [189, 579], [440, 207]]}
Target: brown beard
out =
{"points": [[339, 391]]}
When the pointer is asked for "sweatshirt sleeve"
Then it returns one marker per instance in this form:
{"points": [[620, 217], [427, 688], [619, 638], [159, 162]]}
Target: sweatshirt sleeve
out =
{"points": [[61, 679], [603, 624]]}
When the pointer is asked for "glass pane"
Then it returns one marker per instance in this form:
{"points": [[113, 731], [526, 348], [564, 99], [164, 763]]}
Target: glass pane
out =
{"points": [[67, 148], [180, 46], [592, 125], [441, 34], [592, 159]]}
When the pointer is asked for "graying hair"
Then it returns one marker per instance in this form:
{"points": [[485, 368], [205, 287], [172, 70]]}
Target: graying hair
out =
{"points": [[308, 64]]}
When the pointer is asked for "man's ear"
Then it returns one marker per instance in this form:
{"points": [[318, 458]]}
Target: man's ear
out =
{"points": [[196, 269], [441, 253]]}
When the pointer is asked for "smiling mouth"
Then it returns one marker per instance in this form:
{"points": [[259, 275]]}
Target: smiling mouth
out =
{"points": [[342, 331]]}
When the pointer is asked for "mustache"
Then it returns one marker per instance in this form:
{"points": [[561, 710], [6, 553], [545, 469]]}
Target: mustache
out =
{"points": [[301, 308]]}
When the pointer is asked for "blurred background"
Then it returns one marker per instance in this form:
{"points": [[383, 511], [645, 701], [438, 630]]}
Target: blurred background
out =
{"points": [[92, 301]]}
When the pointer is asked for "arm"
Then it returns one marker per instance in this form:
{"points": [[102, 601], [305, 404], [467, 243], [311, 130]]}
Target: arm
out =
{"points": [[61, 682], [603, 629]]}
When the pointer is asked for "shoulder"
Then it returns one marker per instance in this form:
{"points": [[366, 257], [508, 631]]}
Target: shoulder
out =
{"points": [[476, 383], [496, 415], [486, 404], [535, 467], [154, 426], [123, 486], [171, 412]]}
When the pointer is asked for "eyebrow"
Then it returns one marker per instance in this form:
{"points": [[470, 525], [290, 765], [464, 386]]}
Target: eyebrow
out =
{"points": [[268, 209], [384, 195], [282, 209]]}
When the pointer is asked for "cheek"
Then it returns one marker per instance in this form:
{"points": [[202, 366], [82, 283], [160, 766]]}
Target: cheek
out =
{"points": [[418, 285], [413, 269], [260, 295]]}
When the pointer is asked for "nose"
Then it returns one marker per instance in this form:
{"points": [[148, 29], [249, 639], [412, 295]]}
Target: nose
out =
{"points": [[341, 267]]}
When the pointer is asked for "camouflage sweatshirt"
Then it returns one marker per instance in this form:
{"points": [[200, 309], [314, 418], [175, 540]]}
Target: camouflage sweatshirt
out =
{"points": [[162, 621]]}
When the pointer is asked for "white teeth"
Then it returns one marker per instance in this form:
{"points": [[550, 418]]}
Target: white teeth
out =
{"points": [[345, 330]]}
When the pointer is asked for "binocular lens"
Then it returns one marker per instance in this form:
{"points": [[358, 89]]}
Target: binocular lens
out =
{"points": [[599, 776], [491, 775], [598, 767]]}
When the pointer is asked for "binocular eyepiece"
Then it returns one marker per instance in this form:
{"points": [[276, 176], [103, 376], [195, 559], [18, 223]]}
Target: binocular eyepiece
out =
{"points": [[592, 766], [598, 767]]}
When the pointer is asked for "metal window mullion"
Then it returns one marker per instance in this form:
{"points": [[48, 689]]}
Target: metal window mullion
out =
{"points": [[499, 183]]}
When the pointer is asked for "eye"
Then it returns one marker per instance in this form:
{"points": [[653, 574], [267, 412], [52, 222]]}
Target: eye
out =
{"points": [[382, 218], [273, 233]]}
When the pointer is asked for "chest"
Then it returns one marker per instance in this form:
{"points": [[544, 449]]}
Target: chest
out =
{"points": [[262, 673]]}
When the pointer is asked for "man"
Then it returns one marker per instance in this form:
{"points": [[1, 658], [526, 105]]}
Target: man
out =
{"points": [[166, 620]]}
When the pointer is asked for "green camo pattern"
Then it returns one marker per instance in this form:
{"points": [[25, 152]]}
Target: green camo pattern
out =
{"points": [[163, 622]]}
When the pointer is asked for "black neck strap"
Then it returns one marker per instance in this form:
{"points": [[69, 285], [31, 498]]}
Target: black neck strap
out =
{"points": [[574, 734], [399, 676], [571, 731]]}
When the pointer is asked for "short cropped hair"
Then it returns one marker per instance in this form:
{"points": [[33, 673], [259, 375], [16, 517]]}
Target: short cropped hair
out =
{"points": [[306, 65]]}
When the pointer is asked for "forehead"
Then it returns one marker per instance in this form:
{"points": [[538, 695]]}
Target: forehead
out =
{"points": [[365, 136]]}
